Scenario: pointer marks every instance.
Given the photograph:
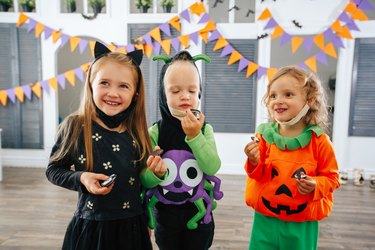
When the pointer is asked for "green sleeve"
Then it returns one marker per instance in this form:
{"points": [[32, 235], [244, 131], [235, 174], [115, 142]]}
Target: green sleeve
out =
{"points": [[148, 178], [204, 150]]}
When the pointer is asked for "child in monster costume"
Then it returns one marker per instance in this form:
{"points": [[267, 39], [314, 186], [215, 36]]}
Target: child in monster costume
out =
{"points": [[184, 200], [291, 165]]}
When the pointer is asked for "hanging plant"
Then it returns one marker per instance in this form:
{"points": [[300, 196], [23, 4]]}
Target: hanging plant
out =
{"points": [[5, 5], [27, 5]]}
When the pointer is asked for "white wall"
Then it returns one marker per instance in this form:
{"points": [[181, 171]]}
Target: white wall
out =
{"points": [[351, 152]]}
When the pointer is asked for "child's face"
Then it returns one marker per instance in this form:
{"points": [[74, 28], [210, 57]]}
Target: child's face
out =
{"points": [[181, 82], [286, 98], [113, 88]]}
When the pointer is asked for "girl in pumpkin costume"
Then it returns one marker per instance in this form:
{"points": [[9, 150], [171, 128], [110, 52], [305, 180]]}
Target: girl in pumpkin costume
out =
{"points": [[291, 165]]}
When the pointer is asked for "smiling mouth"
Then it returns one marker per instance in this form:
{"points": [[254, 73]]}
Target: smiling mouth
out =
{"points": [[112, 103]]}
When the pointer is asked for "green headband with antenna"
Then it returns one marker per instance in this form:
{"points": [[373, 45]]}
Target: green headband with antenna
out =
{"points": [[167, 59]]}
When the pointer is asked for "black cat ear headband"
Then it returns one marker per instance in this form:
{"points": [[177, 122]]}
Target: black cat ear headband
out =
{"points": [[101, 50]]}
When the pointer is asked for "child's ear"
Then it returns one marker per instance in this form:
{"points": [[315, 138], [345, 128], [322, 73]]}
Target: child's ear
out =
{"points": [[135, 97], [311, 101]]}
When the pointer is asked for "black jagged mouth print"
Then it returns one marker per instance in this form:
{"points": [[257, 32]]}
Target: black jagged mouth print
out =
{"points": [[279, 208], [177, 197]]}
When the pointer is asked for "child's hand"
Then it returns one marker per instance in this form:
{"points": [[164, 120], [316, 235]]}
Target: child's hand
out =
{"points": [[156, 164], [306, 186], [191, 125], [252, 152], [91, 182]]}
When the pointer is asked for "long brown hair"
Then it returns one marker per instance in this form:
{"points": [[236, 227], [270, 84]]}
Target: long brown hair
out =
{"points": [[318, 113], [81, 120]]}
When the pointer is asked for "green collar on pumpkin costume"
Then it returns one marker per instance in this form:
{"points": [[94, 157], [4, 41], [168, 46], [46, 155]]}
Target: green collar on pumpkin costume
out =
{"points": [[270, 133]]}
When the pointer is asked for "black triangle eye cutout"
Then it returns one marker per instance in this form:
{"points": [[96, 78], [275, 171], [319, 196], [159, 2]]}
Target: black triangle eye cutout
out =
{"points": [[136, 56], [100, 50]]}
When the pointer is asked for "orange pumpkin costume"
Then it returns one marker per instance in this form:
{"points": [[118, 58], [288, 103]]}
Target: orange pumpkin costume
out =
{"points": [[271, 189]]}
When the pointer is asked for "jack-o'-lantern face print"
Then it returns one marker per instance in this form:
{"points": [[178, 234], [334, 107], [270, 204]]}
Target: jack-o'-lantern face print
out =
{"points": [[282, 192]]}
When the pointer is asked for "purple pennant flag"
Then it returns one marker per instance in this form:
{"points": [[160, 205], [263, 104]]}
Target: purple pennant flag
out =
{"points": [[32, 24], [365, 5], [64, 39], [285, 38], [321, 57], [185, 15], [302, 66], [307, 43], [194, 37], [79, 73], [271, 23], [337, 42], [82, 45], [204, 18], [61, 80], [329, 34], [227, 50], [27, 91], [242, 64], [130, 48], [344, 17], [45, 86], [352, 26], [157, 48], [165, 28], [176, 43], [147, 39], [214, 36], [11, 95], [47, 32], [261, 71]]}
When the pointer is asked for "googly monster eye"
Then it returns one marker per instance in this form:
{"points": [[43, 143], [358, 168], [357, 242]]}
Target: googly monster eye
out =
{"points": [[172, 172], [190, 173]]}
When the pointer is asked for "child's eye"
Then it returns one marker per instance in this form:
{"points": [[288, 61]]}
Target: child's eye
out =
{"points": [[124, 86], [289, 94], [273, 96], [105, 83]]}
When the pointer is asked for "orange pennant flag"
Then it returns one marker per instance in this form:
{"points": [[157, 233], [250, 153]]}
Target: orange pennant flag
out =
{"points": [[139, 46], [55, 36], [37, 89], [21, 19], [296, 42], [148, 50], [251, 68], [71, 77], [184, 40], [92, 46], [350, 8], [3, 97], [359, 15], [234, 57], [85, 67], [39, 28], [197, 8], [166, 45], [175, 22], [112, 46], [265, 14], [19, 93], [271, 72], [336, 26], [345, 32], [221, 43], [311, 63], [319, 41], [53, 83], [278, 31], [155, 33], [330, 50], [210, 26], [73, 41], [204, 36]]}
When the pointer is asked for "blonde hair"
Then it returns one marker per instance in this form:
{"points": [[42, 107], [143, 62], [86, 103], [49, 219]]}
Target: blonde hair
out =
{"points": [[318, 113], [81, 120]]}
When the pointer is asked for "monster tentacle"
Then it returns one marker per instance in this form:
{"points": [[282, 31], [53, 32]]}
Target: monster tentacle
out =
{"points": [[150, 205], [192, 223]]}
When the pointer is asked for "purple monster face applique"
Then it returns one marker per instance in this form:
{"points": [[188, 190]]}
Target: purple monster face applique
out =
{"points": [[185, 179]]}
